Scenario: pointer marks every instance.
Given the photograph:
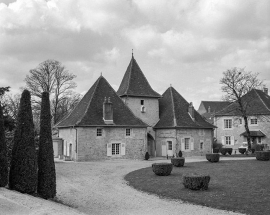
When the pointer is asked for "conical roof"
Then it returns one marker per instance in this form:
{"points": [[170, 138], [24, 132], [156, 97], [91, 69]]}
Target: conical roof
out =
{"points": [[256, 102], [89, 111], [174, 112], [134, 83]]}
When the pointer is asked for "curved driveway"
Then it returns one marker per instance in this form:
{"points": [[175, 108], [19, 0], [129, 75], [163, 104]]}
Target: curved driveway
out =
{"points": [[100, 188]]}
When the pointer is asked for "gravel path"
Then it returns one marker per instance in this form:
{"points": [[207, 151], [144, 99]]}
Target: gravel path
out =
{"points": [[100, 188]]}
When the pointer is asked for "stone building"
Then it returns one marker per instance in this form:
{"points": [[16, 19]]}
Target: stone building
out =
{"points": [[136, 119], [230, 123]]}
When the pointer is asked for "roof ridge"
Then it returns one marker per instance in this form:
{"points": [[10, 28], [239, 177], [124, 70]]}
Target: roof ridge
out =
{"points": [[89, 102], [262, 100], [174, 118]]}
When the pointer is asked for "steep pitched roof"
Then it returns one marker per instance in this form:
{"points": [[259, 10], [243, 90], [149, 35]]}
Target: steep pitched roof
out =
{"points": [[258, 103], [134, 83], [89, 111], [215, 106], [174, 112]]}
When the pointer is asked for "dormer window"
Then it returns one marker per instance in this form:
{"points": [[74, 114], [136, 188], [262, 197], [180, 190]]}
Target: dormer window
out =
{"points": [[142, 102]]}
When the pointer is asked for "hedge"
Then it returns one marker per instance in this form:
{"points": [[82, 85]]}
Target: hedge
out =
{"points": [[196, 182], [214, 157], [178, 162], [162, 169]]}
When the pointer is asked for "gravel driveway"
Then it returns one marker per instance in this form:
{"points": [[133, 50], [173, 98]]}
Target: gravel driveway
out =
{"points": [[100, 188]]}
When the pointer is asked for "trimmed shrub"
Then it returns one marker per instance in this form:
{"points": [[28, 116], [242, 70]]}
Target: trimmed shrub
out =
{"points": [[215, 150], [162, 169], [46, 167], [147, 156], [196, 182], [214, 157], [242, 150], [23, 167], [3, 153], [262, 155], [224, 151], [178, 162], [180, 154]]}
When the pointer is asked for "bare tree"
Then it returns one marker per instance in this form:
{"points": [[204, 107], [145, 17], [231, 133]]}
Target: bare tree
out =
{"points": [[50, 76], [236, 83]]}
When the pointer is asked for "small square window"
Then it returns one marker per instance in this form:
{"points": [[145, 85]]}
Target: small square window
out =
{"points": [[128, 132], [254, 121], [142, 102], [99, 132]]}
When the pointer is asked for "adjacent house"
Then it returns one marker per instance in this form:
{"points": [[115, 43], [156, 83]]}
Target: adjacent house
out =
{"points": [[230, 123], [208, 109], [133, 121], [181, 127]]}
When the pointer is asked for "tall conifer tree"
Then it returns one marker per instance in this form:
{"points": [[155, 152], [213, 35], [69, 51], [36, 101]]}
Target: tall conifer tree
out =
{"points": [[3, 152], [46, 167], [23, 169]]}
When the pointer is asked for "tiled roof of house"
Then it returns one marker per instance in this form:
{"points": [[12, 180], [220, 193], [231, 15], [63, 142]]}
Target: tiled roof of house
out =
{"points": [[215, 106], [253, 134], [174, 112], [134, 83], [257, 103], [89, 111]]}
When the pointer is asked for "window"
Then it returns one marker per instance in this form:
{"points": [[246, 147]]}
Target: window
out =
{"points": [[142, 102], [240, 122], [99, 132], [201, 145], [227, 123], [187, 144], [228, 140], [169, 145], [115, 148], [259, 140], [128, 132], [254, 121]]}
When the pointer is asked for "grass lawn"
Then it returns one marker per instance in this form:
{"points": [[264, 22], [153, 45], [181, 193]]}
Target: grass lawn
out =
{"points": [[239, 185]]}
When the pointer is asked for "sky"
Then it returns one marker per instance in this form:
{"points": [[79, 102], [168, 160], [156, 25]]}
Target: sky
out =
{"points": [[187, 44]]}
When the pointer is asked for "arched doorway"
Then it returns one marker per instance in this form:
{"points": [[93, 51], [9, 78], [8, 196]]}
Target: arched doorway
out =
{"points": [[151, 146]]}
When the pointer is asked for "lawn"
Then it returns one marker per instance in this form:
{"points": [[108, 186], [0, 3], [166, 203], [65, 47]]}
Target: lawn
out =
{"points": [[239, 185]]}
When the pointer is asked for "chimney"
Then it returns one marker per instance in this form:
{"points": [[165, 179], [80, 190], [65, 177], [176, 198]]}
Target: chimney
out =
{"points": [[265, 90], [107, 111], [209, 109], [191, 110]]}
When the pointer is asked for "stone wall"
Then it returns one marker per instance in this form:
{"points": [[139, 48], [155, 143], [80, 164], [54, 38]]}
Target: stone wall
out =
{"points": [[237, 129], [175, 135], [151, 114], [93, 147]]}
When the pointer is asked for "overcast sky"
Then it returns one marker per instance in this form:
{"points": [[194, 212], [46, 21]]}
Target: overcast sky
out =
{"points": [[187, 43]]}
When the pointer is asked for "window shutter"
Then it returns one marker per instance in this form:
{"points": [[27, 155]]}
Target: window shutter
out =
{"points": [[232, 140], [182, 144], [109, 149], [192, 143], [123, 148], [222, 140]]}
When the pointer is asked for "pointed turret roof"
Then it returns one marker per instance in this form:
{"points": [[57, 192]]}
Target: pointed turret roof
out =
{"points": [[134, 83], [257, 103], [174, 112], [89, 111]]}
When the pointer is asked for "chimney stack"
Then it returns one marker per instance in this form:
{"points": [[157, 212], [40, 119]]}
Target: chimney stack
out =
{"points": [[265, 90], [191, 110], [107, 111]]}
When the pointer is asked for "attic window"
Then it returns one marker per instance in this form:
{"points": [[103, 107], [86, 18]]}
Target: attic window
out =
{"points": [[142, 102], [128, 132]]}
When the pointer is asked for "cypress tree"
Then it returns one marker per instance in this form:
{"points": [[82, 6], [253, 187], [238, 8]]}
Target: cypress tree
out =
{"points": [[3, 152], [46, 167], [23, 169]]}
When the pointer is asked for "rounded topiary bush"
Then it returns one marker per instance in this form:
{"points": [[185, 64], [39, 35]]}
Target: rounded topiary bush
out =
{"points": [[229, 150], [224, 151], [196, 182], [242, 150], [178, 162], [180, 154], [262, 155], [162, 169], [214, 157], [215, 150]]}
